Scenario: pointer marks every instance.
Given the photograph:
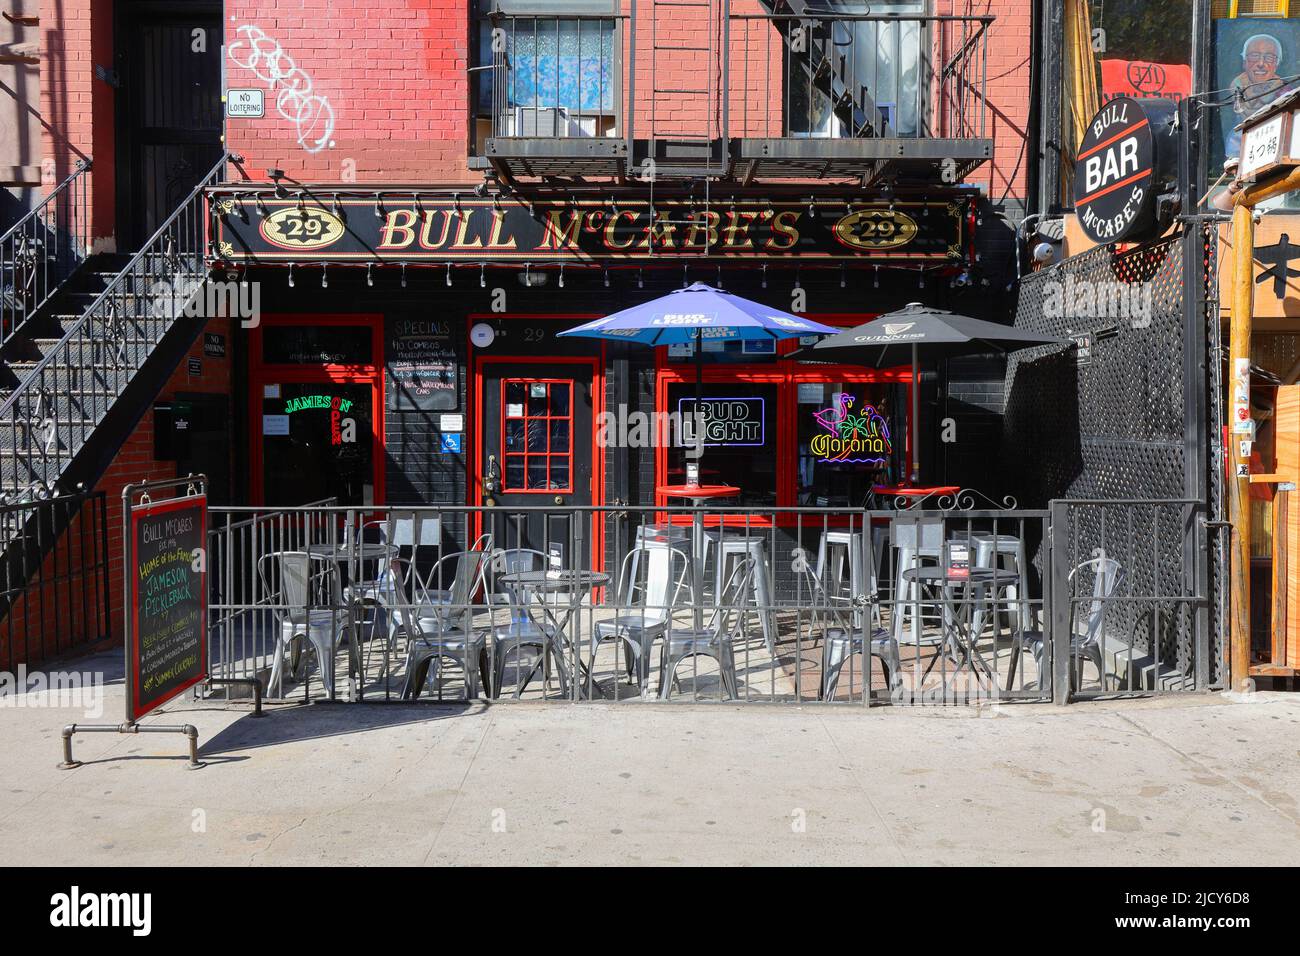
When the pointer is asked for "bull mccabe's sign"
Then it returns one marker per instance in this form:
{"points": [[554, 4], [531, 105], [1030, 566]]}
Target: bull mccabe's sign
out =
{"points": [[1126, 160], [478, 230]]}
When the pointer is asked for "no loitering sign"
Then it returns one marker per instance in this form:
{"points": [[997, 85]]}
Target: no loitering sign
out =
{"points": [[1122, 166]]}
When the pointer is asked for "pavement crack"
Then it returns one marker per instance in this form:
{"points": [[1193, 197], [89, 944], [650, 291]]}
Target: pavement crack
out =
{"points": [[460, 785], [1253, 794], [847, 762]]}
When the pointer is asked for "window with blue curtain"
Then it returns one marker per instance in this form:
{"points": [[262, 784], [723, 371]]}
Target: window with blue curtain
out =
{"points": [[563, 63]]}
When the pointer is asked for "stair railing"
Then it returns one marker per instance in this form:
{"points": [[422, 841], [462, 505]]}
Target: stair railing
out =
{"points": [[42, 249], [53, 410]]}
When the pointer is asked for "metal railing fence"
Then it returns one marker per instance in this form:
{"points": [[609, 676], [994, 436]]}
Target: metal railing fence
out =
{"points": [[54, 577], [51, 412], [848, 76], [630, 603], [42, 249]]}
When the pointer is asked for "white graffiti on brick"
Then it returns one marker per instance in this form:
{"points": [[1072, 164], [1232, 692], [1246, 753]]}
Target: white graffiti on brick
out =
{"points": [[310, 112]]}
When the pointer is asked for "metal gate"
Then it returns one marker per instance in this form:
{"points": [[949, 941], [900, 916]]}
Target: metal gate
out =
{"points": [[1126, 442]]}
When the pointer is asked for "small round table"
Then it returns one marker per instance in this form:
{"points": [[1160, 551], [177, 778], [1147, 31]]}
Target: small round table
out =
{"points": [[904, 494], [973, 583], [698, 495], [554, 583]]}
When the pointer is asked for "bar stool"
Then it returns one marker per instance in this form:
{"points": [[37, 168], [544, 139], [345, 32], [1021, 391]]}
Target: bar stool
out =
{"points": [[668, 537], [835, 547], [1005, 552], [915, 541], [730, 549]]}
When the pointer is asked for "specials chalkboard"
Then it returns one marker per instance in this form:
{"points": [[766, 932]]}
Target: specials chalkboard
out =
{"points": [[423, 366], [166, 645]]}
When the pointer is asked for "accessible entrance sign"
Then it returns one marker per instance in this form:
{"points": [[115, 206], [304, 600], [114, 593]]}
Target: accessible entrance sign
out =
{"points": [[166, 646]]}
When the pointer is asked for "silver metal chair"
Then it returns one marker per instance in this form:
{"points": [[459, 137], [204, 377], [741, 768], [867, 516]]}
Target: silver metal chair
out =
{"points": [[522, 631], [436, 630], [842, 635], [637, 628], [1085, 643], [715, 640], [916, 541], [732, 546], [288, 580]]}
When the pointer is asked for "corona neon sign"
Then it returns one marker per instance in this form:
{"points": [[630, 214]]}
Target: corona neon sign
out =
{"points": [[851, 438]]}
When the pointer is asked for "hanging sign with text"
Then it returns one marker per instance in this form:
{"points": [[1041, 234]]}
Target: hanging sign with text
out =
{"points": [[446, 229], [167, 618], [1128, 158]]}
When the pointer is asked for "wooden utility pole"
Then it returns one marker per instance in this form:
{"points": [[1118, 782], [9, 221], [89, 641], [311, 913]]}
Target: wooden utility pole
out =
{"points": [[1243, 308], [1243, 304]]}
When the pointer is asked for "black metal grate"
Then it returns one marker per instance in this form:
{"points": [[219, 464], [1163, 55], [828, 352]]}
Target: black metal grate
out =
{"points": [[1110, 425]]}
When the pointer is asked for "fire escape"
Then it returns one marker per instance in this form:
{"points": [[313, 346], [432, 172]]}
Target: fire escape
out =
{"points": [[688, 91]]}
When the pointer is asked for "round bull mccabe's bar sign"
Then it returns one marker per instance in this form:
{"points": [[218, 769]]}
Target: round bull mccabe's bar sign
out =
{"points": [[1127, 158]]}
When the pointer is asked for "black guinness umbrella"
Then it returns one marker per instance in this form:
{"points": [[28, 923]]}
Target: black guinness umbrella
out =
{"points": [[898, 337]]}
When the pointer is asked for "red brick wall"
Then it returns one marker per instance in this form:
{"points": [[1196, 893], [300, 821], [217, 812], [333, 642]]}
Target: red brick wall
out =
{"points": [[1007, 94], [76, 108], [392, 77], [133, 463]]}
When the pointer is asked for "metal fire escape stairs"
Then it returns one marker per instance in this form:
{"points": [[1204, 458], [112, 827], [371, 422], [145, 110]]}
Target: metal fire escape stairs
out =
{"points": [[79, 371]]}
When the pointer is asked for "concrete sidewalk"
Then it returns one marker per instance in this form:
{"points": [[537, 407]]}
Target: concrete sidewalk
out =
{"points": [[1197, 780]]}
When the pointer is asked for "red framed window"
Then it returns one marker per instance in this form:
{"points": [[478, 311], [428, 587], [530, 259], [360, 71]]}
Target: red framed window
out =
{"points": [[786, 407], [537, 437]]}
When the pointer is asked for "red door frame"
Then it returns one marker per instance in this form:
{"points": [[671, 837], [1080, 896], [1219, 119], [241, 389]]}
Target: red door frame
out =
{"points": [[261, 373], [473, 428]]}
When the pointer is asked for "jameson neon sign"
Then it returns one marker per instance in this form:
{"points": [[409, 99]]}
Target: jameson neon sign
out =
{"points": [[725, 421], [849, 437], [340, 430], [316, 401]]}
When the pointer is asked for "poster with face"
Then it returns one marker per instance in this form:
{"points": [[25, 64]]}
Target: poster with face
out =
{"points": [[1255, 61]]}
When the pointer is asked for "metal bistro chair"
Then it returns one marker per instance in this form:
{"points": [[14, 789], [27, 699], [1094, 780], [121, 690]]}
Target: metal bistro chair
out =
{"points": [[843, 637], [287, 579], [916, 542], [733, 545], [416, 532], [716, 639], [1085, 645], [637, 628], [521, 631], [436, 630]]}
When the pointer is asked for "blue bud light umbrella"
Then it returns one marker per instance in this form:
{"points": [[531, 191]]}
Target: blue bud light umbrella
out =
{"points": [[693, 314], [696, 313]]}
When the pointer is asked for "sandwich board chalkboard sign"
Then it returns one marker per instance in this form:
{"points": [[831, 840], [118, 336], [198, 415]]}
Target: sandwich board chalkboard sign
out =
{"points": [[167, 610]]}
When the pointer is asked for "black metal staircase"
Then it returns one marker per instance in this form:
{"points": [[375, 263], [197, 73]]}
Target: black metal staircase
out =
{"points": [[69, 364]]}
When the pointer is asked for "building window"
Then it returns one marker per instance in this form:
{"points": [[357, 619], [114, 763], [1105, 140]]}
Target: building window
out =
{"points": [[787, 433], [543, 74], [882, 58], [1113, 48], [537, 442], [1256, 59]]}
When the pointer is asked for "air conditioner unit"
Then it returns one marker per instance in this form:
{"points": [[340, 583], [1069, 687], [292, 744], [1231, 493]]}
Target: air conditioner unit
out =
{"points": [[547, 122]]}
